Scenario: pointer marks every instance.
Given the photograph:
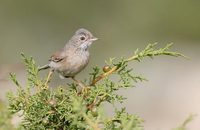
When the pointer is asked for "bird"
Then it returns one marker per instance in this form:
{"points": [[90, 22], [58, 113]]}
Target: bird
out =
{"points": [[73, 57]]}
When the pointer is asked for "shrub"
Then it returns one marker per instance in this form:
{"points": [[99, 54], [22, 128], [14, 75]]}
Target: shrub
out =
{"points": [[70, 108]]}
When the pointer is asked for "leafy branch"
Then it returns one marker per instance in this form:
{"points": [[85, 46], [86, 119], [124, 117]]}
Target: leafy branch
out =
{"points": [[64, 108], [149, 51]]}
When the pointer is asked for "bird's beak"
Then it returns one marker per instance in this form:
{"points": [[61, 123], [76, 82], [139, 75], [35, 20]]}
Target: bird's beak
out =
{"points": [[93, 39]]}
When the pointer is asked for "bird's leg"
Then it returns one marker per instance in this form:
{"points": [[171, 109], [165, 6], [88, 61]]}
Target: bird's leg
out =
{"points": [[84, 88], [48, 78], [78, 82]]}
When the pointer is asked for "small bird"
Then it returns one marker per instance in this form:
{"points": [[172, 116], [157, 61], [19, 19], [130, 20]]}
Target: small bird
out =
{"points": [[74, 57]]}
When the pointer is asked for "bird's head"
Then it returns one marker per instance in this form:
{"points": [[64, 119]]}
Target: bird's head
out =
{"points": [[83, 39]]}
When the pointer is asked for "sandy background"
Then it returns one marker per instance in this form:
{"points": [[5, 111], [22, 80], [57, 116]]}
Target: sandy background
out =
{"points": [[38, 28]]}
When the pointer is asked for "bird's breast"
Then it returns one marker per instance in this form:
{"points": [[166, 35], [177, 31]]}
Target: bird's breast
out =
{"points": [[74, 64]]}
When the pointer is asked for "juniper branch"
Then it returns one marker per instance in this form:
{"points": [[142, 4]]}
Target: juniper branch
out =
{"points": [[149, 51]]}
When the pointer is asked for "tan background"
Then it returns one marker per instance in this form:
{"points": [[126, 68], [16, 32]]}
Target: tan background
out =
{"points": [[38, 28]]}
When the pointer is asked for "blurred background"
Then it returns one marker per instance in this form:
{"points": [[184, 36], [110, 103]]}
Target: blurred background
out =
{"points": [[40, 27]]}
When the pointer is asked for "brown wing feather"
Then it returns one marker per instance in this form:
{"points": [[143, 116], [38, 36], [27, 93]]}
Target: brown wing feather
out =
{"points": [[57, 56]]}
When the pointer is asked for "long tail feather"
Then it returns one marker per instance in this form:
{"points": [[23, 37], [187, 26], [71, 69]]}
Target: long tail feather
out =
{"points": [[44, 67]]}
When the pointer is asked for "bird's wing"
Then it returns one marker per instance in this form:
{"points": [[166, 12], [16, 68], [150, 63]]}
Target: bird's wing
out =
{"points": [[57, 56]]}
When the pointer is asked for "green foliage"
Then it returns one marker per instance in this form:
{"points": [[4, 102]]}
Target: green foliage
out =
{"points": [[5, 118], [67, 108]]}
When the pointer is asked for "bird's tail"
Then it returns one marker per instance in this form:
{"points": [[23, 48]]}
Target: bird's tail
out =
{"points": [[44, 67]]}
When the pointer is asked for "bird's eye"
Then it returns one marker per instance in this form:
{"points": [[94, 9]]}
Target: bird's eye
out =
{"points": [[82, 38]]}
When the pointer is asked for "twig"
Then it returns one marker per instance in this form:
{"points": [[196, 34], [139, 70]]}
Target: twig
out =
{"points": [[103, 75], [112, 70], [149, 51], [96, 102]]}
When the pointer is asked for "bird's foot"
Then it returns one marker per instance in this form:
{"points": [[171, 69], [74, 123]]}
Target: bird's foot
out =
{"points": [[84, 88]]}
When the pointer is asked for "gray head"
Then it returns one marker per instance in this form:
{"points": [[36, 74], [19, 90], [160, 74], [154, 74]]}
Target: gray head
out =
{"points": [[82, 39]]}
